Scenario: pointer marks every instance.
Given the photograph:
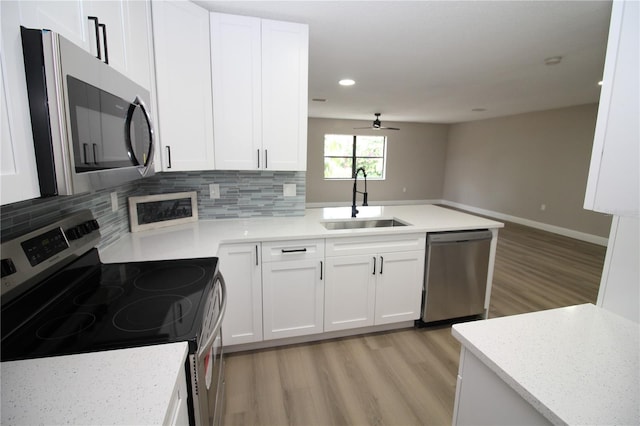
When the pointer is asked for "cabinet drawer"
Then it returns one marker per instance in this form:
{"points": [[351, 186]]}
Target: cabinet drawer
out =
{"points": [[375, 244], [292, 250]]}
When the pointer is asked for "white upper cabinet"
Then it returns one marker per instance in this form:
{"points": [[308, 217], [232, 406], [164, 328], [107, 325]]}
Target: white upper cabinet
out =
{"points": [[183, 80], [614, 174], [260, 79], [67, 18]]}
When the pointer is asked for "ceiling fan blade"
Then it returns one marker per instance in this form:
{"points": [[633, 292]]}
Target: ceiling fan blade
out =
{"points": [[358, 128], [389, 128]]}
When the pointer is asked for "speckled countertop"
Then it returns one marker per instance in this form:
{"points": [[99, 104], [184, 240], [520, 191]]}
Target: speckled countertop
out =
{"points": [[203, 238], [576, 365], [128, 386]]}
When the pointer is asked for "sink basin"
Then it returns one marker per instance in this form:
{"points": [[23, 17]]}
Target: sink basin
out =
{"points": [[362, 223]]}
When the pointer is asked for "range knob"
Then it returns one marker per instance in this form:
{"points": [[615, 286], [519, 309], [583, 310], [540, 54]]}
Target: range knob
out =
{"points": [[7, 267], [93, 224], [73, 233]]}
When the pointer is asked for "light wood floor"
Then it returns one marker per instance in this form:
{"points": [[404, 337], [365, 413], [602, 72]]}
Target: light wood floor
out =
{"points": [[405, 377]]}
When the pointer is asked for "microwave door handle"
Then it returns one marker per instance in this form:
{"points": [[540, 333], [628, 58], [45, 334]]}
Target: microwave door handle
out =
{"points": [[148, 156], [204, 349], [96, 25], [104, 40], [95, 154], [84, 153]]}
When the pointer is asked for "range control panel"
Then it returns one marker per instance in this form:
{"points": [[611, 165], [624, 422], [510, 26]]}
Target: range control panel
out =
{"points": [[29, 258]]}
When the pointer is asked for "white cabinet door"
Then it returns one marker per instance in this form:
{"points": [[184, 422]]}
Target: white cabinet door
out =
{"points": [[67, 18], [293, 298], [183, 79], [614, 173], [236, 71], [399, 287], [260, 79], [111, 15], [240, 267], [285, 73], [350, 292], [18, 172]]}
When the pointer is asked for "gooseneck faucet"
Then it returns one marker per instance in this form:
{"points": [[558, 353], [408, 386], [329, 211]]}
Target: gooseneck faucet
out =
{"points": [[354, 210]]}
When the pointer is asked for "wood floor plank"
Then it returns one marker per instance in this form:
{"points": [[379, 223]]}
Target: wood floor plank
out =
{"points": [[405, 377]]}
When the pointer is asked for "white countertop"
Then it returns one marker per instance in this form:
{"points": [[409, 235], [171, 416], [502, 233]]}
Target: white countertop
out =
{"points": [[575, 365], [128, 386], [202, 238]]}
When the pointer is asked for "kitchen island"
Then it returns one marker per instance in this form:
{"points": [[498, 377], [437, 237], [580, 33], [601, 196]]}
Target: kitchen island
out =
{"points": [[574, 365], [142, 386]]}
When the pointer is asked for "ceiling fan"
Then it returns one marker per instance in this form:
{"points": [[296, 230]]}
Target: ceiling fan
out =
{"points": [[377, 125]]}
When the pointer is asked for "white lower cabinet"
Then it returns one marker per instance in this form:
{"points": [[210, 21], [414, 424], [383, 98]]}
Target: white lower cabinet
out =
{"points": [[381, 284], [292, 288], [178, 409], [240, 267]]}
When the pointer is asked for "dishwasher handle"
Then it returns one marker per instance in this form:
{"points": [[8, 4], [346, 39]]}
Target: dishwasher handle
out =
{"points": [[458, 237]]}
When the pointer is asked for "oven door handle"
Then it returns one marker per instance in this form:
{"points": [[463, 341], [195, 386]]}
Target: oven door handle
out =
{"points": [[204, 349]]}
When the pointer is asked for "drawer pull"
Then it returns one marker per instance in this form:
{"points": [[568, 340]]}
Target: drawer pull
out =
{"points": [[374, 265], [381, 264], [301, 250]]}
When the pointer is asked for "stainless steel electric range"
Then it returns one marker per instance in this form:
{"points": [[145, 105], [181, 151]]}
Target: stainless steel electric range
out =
{"points": [[58, 298]]}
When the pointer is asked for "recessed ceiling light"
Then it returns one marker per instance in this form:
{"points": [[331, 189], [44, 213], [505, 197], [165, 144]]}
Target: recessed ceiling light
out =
{"points": [[346, 82], [553, 60], [478, 109], [319, 100], [600, 83]]}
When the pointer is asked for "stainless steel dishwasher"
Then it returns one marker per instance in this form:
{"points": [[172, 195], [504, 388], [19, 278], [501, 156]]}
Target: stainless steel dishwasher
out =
{"points": [[456, 274]]}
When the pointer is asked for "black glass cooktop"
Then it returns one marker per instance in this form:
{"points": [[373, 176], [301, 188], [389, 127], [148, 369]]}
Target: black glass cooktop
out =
{"points": [[90, 306]]}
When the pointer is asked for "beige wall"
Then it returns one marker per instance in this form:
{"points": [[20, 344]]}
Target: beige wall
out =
{"points": [[512, 165], [415, 161]]}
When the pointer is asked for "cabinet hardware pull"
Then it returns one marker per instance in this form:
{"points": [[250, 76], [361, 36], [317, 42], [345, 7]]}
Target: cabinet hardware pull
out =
{"points": [[294, 250], [266, 160], [84, 152], [381, 264], [168, 157], [95, 23], [321, 270], [104, 39], [258, 158], [256, 255], [95, 154], [374, 265]]}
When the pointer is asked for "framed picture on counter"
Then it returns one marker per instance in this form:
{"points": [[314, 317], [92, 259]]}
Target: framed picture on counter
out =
{"points": [[157, 211]]}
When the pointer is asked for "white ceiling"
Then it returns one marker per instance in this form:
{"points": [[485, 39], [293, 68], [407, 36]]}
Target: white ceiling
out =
{"points": [[435, 61]]}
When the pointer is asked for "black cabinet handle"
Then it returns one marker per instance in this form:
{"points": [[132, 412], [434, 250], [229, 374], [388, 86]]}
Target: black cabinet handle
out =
{"points": [[374, 265], [381, 264], [96, 25], [256, 255], [168, 157], [258, 158], [321, 270], [302, 250], [104, 39], [84, 152], [266, 164]]}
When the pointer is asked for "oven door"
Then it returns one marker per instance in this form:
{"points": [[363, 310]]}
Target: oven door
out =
{"points": [[208, 363]]}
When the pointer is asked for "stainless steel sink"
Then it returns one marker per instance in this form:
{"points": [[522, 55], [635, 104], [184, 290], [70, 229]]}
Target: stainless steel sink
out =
{"points": [[362, 223]]}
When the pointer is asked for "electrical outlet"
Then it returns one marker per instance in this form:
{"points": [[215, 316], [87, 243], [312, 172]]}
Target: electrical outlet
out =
{"points": [[289, 189], [114, 201], [214, 191]]}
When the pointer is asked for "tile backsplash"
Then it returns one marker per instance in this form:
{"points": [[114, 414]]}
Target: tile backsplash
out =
{"points": [[242, 194]]}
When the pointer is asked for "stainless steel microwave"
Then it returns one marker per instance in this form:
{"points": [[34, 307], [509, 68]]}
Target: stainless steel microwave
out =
{"points": [[91, 125]]}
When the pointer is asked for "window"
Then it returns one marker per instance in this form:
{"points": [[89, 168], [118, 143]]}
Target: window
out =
{"points": [[344, 154]]}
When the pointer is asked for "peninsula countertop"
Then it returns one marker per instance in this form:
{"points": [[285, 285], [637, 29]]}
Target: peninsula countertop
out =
{"points": [[203, 238], [574, 365]]}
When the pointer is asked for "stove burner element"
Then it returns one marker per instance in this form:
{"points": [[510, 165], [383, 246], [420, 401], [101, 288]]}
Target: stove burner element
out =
{"points": [[152, 313], [65, 326], [101, 296], [169, 278]]}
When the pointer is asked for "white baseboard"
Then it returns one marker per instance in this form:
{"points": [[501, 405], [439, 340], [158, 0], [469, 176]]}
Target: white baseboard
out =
{"points": [[590, 238]]}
